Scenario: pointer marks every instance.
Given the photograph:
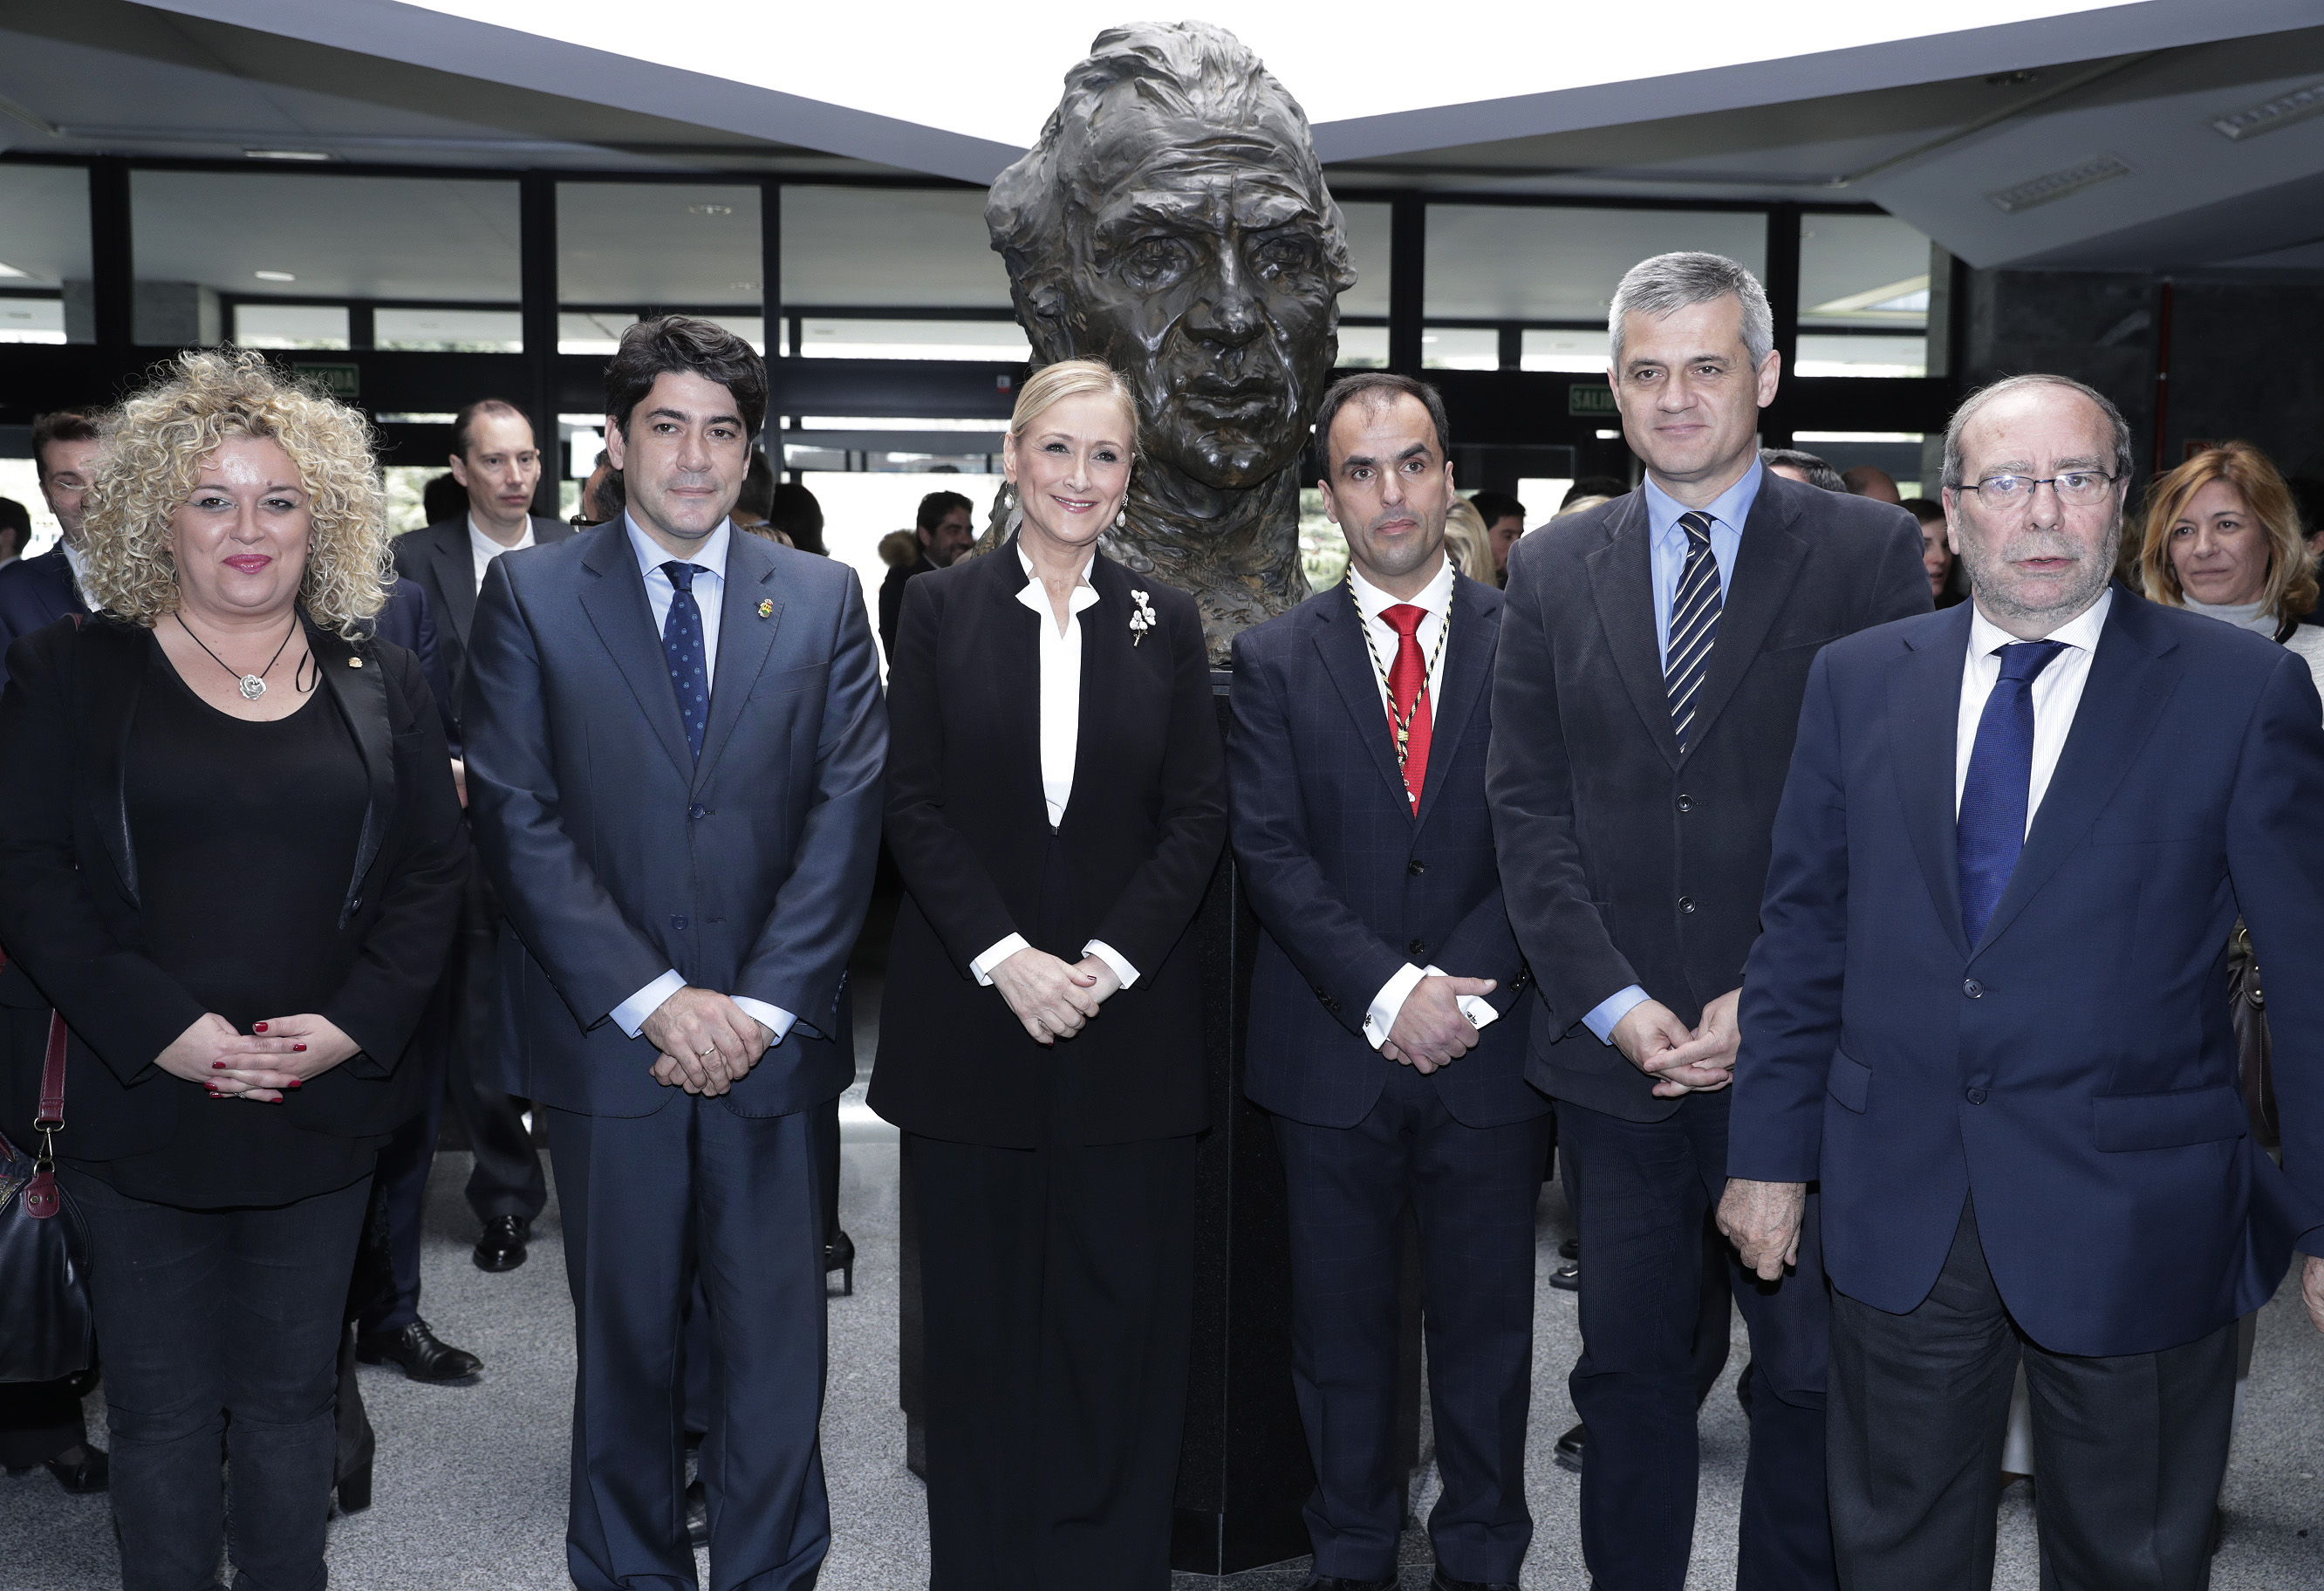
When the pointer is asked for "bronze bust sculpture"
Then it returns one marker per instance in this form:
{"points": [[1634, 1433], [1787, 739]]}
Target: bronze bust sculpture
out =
{"points": [[1173, 222]]}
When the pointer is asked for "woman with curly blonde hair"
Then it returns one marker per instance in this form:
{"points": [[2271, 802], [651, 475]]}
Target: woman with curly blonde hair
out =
{"points": [[230, 859], [2223, 539]]}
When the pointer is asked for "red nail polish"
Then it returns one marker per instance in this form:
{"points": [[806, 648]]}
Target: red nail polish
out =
{"points": [[296, 1047], [217, 1066], [260, 1027], [294, 1083]]}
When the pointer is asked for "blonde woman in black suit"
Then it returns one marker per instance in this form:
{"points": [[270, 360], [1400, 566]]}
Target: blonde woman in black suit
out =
{"points": [[1056, 805]]}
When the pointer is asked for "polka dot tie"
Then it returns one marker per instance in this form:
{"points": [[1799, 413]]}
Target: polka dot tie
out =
{"points": [[681, 646]]}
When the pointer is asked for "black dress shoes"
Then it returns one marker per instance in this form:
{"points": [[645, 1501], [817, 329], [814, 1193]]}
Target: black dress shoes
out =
{"points": [[1567, 1278], [697, 1514], [1568, 1452], [91, 1472], [502, 1246], [839, 1255], [423, 1357], [1441, 1581], [1336, 1583], [1571, 1249]]}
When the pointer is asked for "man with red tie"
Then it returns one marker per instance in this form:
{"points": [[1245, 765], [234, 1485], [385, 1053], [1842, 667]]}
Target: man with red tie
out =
{"points": [[1388, 1025]]}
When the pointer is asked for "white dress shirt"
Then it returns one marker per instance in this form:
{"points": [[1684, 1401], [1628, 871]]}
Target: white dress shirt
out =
{"points": [[2057, 693], [77, 561], [709, 587], [483, 549], [1666, 545], [1061, 735], [1436, 601]]}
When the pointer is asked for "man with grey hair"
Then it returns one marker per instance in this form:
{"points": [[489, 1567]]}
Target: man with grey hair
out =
{"points": [[1988, 1015], [1653, 651]]}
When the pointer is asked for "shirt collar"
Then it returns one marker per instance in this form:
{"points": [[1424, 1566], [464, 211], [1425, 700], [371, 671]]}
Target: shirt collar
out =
{"points": [[1032, 596], [651, 555], [76, 560], [491, 546], [1435, 597], [1730, 507], [1987, 637]]}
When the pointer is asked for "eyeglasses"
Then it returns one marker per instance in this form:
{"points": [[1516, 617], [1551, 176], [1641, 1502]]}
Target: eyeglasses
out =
{"points": [[2080, 488]]}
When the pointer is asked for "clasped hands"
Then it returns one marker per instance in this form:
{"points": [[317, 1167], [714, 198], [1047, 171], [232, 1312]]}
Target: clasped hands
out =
{"points": [[1431, 1029], [707, 1042], [1682, 1060], [1054, 998], [278, 1054]]}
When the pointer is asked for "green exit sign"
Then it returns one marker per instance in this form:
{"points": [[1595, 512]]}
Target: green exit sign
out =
{"points": [[1589, 399], [341, 380]]}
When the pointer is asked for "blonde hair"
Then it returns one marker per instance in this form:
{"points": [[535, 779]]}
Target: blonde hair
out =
{"points": [[154, 448], [1052, 384], [2291, 589], [1578, 504], [1470, 543]]}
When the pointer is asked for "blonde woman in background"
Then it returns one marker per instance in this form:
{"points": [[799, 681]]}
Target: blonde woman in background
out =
{"points": [[2223, 539], [1469, 542]]}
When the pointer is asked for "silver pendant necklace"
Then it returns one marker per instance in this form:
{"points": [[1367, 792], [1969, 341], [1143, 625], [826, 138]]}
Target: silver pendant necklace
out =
{"points": [[252, 686]]}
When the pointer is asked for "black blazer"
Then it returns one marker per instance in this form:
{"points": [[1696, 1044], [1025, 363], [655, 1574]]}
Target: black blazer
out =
{"points": [[1625, 861], [69, 889], [970, 832], [439, 558], [1349, 882], [892, 598], [35, 593]]}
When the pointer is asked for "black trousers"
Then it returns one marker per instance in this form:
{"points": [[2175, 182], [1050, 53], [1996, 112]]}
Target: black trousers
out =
{"points": [[2128, 1452], [1474, 1190], [401, 1176], [1057, 1288], [1647, 1188], [650, 1203], [507, 1179], [221, 1331]]}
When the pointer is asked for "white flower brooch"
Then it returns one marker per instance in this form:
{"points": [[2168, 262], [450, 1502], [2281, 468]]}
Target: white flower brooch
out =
{"points": [[1142, 619]]}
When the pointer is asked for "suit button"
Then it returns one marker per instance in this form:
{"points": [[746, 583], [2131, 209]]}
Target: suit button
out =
{"points": [[678, 922], [1977, 1096], [698, 811], [1686, 905], [1419, 947], [1416, 867], [1685, 802], [355, 905], [1974, 989]]}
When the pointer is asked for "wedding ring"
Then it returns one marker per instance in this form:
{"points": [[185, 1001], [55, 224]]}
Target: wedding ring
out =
{"points": [[705, 1054]]}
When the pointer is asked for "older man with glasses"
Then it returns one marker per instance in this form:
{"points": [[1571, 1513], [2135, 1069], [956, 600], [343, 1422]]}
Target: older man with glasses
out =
{"points": [[1989, 1014]]}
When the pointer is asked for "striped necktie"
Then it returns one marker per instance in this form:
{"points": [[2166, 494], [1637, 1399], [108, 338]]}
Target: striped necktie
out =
{"points": [[1694, 625]]}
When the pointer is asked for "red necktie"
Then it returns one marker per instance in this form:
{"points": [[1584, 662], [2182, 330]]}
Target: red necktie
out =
{"points": [[1407, 687]]}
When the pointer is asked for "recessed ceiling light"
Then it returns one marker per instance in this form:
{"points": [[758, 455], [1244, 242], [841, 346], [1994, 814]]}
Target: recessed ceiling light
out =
{"points": [[2057, 185], [8, 269], [284, 155], [273, 276], [711, 209], [2280, 112]]}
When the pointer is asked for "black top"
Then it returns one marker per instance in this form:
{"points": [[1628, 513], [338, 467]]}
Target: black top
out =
{"points": [[891, 598], [243, 831]]}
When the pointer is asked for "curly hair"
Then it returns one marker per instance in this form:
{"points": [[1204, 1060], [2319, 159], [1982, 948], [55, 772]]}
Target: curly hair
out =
{"points": [[155, 446]]}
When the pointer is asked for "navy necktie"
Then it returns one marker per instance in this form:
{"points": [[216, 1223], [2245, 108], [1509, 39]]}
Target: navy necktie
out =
{"points": [[688, 658], [1991, 828], [1694, 625]]}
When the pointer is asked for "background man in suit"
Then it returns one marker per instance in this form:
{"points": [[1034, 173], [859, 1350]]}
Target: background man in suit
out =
{"points": [[1990, 1013], [1653, 649], [675, 738], [944, 528], [1357, 768], [37, 592], [495, 462]]}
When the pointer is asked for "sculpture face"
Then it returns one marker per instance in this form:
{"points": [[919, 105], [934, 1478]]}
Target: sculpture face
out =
{"points": [[1202, 276]]}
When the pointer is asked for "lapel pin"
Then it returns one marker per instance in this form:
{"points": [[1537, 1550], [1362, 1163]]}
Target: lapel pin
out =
{"points": [[355, 662], [766, 607]]}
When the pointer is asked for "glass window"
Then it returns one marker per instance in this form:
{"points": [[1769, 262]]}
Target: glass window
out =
{"points": [[202, 237], [1552, 263], [1363, 347], [291, 326], [888, 247], [1460, 347], [1864, 296], [44, 262], [1825, 354], [1898, 453], [1582, 353], [1367, 249], [448, 331], [627, 249], [826, 338]]}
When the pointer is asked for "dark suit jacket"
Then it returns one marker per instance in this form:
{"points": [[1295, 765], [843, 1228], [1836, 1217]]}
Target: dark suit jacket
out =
{"points": [[2076, 1070], [618, 857], [1626, 862], [70, 901], [35, 593], [438, 560], [408, 621], [1348, 883], [891, 598], [970, 831]]}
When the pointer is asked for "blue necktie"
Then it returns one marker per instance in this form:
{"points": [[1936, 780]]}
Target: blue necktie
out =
{"points": [[681, 645], [1694, 625], [1991, 828]]}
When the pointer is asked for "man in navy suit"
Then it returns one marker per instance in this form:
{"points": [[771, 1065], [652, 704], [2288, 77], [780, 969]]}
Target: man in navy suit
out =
{"points": [[1387, 1032], [1989, 1014], [675, 740], [38, 592]]}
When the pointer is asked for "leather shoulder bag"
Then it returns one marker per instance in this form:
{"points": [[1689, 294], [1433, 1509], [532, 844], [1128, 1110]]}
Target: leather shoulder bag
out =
{"points": [[46, 1332]]}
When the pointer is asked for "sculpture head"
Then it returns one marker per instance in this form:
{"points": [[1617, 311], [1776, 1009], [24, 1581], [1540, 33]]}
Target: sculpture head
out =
{"points": [[1173, 222]]}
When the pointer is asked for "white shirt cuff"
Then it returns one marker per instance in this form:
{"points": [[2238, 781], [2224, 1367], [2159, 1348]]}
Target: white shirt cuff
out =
{"points": [[981, 968], [1389, 1004], [1612, 1009], [1122, 971], [631, 1015], [774, 1018]]}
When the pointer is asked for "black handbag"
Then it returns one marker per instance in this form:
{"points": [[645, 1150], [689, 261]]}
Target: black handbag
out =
{"points": [[46, 1331]]}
